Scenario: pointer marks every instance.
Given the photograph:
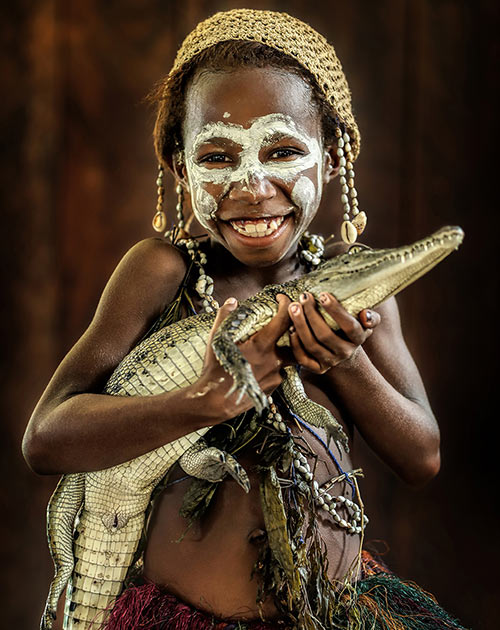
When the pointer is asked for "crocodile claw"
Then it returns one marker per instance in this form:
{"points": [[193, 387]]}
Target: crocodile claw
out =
{"points": [[48, 618], [213, 464], [244, 381], [255, 394], [248, 386], [237, 472]]}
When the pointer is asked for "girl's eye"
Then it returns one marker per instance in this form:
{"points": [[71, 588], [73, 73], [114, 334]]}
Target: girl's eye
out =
{"points": [[280, 154], [215, 158]]}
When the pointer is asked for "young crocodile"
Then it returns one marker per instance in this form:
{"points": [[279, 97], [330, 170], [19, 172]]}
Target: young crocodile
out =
{"points": [[95, 520]]}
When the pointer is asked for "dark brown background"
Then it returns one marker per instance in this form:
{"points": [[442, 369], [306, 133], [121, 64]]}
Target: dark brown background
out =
{"points": [[78, 173]]}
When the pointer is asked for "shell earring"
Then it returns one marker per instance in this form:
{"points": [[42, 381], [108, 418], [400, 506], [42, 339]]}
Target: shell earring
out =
{"points": [[160, 218], [351, 228]]}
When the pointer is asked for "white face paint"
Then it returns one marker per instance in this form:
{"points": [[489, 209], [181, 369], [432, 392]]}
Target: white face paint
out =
{"points": [[248, 170], [304, 195]]}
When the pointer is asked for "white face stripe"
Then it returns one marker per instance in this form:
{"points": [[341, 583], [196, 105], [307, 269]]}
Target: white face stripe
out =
{"points": [[305, 196], [261, 133]]}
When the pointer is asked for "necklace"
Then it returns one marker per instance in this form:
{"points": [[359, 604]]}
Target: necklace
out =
{"points": [[311, 254]]}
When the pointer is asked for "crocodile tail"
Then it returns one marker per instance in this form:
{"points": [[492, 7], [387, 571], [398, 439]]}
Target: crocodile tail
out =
{"points": [[103, 556], [62, 510]]}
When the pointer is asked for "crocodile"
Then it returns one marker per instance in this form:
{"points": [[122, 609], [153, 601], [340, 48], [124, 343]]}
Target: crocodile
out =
{"points": [[95, 520]]}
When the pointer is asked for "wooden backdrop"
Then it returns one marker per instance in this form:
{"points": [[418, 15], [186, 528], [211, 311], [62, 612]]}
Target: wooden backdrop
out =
{"points": [[78, 174]]}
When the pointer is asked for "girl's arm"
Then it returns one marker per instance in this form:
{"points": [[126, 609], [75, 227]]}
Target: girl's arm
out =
{"points": [[76, 428], [375, 382], [73, 426]]}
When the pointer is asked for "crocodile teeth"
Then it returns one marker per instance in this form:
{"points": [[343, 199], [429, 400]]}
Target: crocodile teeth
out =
{"points": [[257, 228]]}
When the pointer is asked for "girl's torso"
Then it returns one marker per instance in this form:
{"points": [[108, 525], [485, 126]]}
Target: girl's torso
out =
{"points": [[210, 564]]}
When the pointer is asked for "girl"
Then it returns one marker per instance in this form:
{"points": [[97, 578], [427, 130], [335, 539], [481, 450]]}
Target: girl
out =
{"points": [[253, 121]]}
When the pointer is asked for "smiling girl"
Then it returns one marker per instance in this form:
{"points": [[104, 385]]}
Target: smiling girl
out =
{"points": [[253, 121]]}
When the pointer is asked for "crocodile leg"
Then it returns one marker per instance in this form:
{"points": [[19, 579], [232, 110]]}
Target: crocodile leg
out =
{"points": [[244, 381], [310, 411], [210, 463], [238, 327]]}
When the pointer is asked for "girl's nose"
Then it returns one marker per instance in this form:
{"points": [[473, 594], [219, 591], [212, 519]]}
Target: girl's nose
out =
{"points": [[254, 190]]}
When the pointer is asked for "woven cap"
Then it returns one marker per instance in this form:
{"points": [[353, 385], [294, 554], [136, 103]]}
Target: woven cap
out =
{"points": [[284, 33]]}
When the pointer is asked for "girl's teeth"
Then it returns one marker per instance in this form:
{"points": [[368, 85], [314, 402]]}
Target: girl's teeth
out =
{"points": [[257, 228]]}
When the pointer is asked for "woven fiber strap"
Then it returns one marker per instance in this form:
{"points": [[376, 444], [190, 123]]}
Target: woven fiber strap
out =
{"points": [[284, 33]]}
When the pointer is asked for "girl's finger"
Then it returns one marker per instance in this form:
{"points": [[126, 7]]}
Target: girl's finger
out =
{"points": [[369, 319], [279, 324], [229, 305], [347, 323], [308, 351], [319, 328], [330, 348], [303, 330], [302, 357]]}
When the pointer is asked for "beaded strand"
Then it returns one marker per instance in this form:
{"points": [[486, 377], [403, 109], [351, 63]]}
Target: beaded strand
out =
{"points": [[350, 229], [204, 286], [355, 521], [160, 218]]}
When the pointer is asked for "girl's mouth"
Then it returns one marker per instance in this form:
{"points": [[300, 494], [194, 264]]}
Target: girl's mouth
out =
{"points": [[257, 228]]}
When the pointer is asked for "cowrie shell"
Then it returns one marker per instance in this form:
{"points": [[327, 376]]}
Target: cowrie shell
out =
{"points": [[359, 222], [348, 232], [159, 221]]}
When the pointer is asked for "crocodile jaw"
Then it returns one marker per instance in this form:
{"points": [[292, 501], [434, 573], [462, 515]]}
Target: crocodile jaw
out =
{"points": [[368, 277]]}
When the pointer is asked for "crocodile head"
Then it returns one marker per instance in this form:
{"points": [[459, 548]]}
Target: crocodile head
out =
{"points": [[366, 277]]}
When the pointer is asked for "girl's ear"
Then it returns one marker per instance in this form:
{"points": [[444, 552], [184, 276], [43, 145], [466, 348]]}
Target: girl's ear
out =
{"points": [[178, 167], [331, 164]]}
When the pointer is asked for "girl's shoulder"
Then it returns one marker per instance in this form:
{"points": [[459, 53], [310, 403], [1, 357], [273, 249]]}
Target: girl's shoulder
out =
{"points": [[156, 262], [145, 281], [157, 250]]}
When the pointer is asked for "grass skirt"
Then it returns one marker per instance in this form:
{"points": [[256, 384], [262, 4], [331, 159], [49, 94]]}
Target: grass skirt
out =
{"points": [[378, 601]]}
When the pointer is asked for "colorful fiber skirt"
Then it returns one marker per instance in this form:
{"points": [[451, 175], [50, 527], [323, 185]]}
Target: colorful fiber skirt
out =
{"points": [[380, 601]]}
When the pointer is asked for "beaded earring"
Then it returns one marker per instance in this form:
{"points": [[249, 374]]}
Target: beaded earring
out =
{"points": [[350, 229], [181, 224], [160, 218]]}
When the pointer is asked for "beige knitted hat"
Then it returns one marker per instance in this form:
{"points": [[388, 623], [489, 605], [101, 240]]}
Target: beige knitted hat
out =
{"points": [[281, 32]]}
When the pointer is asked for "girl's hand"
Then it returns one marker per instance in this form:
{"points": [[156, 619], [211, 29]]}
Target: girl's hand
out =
{"points": [[315, 345], [260, 351]]}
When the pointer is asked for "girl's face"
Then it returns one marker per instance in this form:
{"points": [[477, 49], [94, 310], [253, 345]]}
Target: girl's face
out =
{"points": [[254, 161]]}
